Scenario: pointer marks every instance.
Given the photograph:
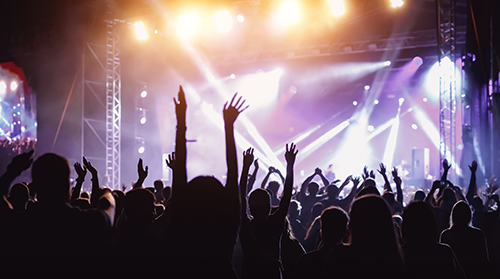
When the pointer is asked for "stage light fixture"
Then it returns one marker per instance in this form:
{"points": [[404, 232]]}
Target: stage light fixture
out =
{"points": [[397, 3], [387, 63], [425, 100], [414, 126], [143, 120], [233, 76], [223, 21], [141, 149], [289, 12], [13, 85], [337, 7], [376, 102], [186, 25], [144, 93], [3, 87], [240, 18], [417, 60], [355, 103], [367, 87], [370, 128], [140, 31]]}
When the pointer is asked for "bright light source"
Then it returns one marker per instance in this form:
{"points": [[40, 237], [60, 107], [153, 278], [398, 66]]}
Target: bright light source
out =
{"points": [[370, 128], [211, 77], [141, 149], [425, 100], [417, 60], [223, 21], [355, 103], [376, 102], [233, 76], [401, 100], [387, 63], [143, 120], [463, 95], [367, 87], [156, 31], [289, 12], [337, 7], [460, 147], [414, 126], [140, 31], [144, 93], [3, 87], [240, 18], [279, 71], [397, 3], [186, 25], [13, 85]]}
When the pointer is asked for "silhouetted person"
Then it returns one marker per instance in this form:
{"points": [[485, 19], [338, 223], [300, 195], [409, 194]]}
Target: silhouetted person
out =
{"points": [[424, 256], [308, 195], [294, 213], [158, 186], [467, 242], [167, 192], [334, 221], [374, 250], [260, 236], [333, 191], [419, 195], [18, 197]]}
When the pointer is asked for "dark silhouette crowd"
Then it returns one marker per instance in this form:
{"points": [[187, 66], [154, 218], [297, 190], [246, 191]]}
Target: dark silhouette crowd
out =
{"points": [[204, 228]]}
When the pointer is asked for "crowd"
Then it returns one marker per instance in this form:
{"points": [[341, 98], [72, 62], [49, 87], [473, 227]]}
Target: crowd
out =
{"points": [[204, 229]]}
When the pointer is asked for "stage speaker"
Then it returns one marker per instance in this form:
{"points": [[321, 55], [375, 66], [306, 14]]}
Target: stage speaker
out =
{"points": [[420, 163]]}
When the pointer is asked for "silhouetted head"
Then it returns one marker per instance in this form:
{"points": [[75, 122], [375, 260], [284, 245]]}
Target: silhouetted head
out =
{"points": [[370, 182], [294, 209], [50, 174], [313, 188], [419, 223], [19, 196], [208, 199], [81, 203], [274, 186], [332, 191], [389, 198], [477, 204], [448, 195], [139, 205], [371, 223], [85, 195], [259, 203], [419, 195], [316, 210], [334, 222], [461, 215], [158, 185], [167, 191], [370, 190]]}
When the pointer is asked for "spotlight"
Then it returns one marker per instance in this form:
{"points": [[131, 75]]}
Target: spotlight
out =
{"points": [[140, 31], [417, 60], [387, 63], [355, 103], [401, 100], [141, 149], [186, 25], [211, 77], [367, 87], [143, 120], [240, 18], [397, 3], [156, 31], [414, 126], [233, 76], [370, 128], [289, 12], [144, 93], [337, 7], [3, 87], [376, 102], [13, 86], [279, 71], [463, 95], [425, 100], [223, 21]]}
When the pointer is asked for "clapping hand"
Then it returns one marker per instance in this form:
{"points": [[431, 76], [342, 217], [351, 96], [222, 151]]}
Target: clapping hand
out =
{"points": [[89, 166], [81, 171]]}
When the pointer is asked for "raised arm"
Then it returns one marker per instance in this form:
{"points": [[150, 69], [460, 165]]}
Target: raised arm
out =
{"points": [[345, 203], [247, 161], [325, 180], [179, 177], [81, 171], [429, 199], [290, 155], [142, 173], [472, 191], [345, 183], [96, 191], [230, 113], [446, 168], [398, 182], [18, 164], [383, 172], [253, 177], [266, 178], [305, 183]]}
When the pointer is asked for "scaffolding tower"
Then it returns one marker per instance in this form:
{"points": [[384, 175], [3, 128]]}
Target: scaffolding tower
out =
{"points": [[446, 39]]}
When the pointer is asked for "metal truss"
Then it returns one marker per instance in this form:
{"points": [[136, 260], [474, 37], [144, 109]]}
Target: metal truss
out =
{"points": [[113, 105], [447, 88], [398, 41]]}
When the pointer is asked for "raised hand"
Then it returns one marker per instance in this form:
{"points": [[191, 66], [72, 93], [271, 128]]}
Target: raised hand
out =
{"points": [[81, 171], [382, 169], [256, 163], [356, 180], [346, 181], [272, 169], [180, 104], [232, 110], [124, 187], [472, 168], [395, 176], [21, 162], [365, 173], [446, 166], [89, 166], [372, 174], [317, 171], [248, 157], [141, 171], [171, 160], [291, 154]]}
